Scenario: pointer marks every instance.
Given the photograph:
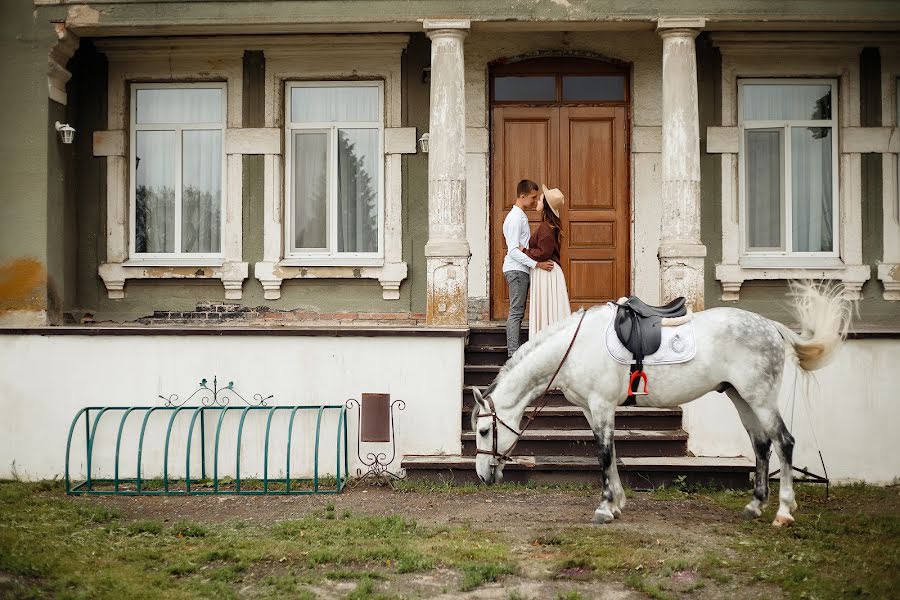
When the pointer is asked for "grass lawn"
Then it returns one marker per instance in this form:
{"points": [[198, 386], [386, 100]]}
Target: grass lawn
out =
{"points": [[670, 544]]}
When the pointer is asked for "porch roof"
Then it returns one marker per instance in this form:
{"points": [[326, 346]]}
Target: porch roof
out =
{"points": [[180, 17]]}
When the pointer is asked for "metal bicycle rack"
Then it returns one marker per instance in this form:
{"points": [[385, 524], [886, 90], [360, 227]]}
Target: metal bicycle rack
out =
{"points": [[215, 401]]}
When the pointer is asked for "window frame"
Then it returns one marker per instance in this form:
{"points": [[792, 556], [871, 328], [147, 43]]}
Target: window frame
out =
{"points": [[178, 257], [776, 256], [330, 256]]}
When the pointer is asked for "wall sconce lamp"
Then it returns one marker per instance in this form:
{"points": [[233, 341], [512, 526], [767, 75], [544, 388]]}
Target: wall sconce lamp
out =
{"points": [[66, 132], [423, 143]]}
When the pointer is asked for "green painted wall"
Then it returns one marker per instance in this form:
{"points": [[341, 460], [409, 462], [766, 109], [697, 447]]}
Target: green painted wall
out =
{"points": [[769, 297], [142, 298], [34, 220]]}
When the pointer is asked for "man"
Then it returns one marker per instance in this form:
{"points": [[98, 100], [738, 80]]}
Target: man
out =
{"points": [[516, 265]]}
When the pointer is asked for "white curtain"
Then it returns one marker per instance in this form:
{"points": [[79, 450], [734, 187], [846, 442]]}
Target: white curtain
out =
{"points": [[179, 105], [201, 171], [764, 187], [310, 158], [767, 101], [201, 191], [811, 166], [334, 104], [811, 192], [155, 191], [357, 190]]}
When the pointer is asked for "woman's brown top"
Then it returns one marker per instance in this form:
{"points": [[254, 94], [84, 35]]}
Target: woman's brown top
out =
{"points": [[542, 245]]}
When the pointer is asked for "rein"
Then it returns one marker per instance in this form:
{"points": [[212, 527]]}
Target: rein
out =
{"points": [[497, 456]]}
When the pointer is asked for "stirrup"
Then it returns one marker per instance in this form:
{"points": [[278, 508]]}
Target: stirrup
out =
{"points": [[631, 381]]}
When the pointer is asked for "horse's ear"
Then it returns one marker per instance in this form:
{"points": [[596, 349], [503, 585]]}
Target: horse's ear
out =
{"points": [[479, 398]]}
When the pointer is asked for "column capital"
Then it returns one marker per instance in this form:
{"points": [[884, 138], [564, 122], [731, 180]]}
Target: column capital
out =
{"points": [[680, 26], [446, 27]]}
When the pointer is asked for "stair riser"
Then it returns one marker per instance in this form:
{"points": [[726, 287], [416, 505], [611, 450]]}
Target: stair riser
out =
{"points": [[579, 448], [496, 337], [478, 379], [553, 399], [640, 422], [474, 357], [636, 480]]}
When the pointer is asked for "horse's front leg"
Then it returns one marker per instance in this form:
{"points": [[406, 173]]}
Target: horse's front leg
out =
{"points": [[603, 425]]}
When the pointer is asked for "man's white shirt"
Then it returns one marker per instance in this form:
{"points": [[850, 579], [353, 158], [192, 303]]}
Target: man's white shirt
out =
{"points": [[517, 233]]}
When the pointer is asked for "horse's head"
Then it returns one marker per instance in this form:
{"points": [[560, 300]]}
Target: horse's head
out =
{"points": [[494, 436]]}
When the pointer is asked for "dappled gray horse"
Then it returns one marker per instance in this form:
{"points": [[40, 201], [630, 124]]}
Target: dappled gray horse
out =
{"points": [[737, 352]]}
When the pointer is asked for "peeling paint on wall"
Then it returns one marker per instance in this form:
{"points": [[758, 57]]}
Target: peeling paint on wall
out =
{"points": [[23, 285]]}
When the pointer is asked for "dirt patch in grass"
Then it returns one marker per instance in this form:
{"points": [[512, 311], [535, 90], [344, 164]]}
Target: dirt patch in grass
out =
{"points": [[420, 541]]}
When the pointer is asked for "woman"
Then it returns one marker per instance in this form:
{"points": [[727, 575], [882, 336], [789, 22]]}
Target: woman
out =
{"points": [[549, 298]]}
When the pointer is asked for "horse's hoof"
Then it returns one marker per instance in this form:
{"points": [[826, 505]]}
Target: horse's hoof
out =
{"points": [[752, 512], [602, 517], [783, 521]]}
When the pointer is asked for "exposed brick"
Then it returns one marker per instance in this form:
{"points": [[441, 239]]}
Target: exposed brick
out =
{"points": [[384, 316]]}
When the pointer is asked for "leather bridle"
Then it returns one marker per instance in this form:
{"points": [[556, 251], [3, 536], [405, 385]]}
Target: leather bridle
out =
{"points": [[498, 457]]}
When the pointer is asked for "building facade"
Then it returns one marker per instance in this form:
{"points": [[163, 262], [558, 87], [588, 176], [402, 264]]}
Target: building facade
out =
{"points": [[339, 172]]}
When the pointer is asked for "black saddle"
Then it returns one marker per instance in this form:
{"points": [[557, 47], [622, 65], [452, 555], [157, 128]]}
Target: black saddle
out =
{"points": [[639, 328]]}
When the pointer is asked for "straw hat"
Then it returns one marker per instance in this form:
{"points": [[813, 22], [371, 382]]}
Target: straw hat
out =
{"points": [[554, 198]]}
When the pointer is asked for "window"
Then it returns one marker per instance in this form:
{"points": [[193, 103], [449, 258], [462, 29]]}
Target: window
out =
{"points": [[334, 163], [177, 170], [788, 167]]}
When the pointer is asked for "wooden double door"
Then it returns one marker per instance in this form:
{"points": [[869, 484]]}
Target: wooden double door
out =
{"points": [[582, 151]]}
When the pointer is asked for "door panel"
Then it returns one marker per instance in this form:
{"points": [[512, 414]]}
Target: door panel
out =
{"points": [[525, 142], [581, 150], [595, 255]]}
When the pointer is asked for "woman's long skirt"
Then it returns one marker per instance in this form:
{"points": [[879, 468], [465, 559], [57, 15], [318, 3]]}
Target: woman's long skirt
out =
{"points": [[548, 298]]}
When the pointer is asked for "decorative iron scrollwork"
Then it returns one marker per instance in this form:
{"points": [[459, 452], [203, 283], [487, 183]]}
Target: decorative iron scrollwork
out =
{"points": [[216, 396], [377, 462]]}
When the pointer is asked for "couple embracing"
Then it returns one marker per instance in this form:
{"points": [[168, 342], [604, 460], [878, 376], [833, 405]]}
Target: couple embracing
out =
{"points": [[532, 262]]}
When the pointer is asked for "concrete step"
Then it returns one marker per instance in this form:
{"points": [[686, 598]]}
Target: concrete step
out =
{"points": [[581, 442], [568, 416], [638, 473], [480, 375], [492, 335], [486, 355], [554, 397]]}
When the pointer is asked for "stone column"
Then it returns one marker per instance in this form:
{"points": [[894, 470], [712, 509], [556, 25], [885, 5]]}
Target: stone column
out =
{"points": [[681, 253], [447, 251]]}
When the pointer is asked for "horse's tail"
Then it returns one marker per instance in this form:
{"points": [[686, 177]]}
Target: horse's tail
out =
{"points": [[824, 316]]}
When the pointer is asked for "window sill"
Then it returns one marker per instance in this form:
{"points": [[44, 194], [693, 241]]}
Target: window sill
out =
{"points": [[186, 261], [732, 276], [272, 274], [231, 274], [323, 261], [791, 262]]}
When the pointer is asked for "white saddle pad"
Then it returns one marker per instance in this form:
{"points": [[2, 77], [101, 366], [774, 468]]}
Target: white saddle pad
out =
{"points": [[678, 345]]}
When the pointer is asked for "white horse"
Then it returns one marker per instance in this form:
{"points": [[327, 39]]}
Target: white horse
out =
{"points": [[738, 352]]}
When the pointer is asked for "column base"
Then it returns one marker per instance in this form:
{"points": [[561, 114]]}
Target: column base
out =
{"points": [[681, 273], [447, 291]]}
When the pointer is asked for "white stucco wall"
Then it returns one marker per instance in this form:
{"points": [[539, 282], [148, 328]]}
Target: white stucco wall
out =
{"points": [[643, 49], [45, 380], [855, 415]]}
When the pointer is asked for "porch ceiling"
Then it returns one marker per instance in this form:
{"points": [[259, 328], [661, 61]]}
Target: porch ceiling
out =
{"points": [[180, 17]]}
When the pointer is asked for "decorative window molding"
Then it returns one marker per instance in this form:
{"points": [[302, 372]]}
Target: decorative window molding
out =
{"points": [[889, 268], [824, 56], [187, 60], [335, 58]]}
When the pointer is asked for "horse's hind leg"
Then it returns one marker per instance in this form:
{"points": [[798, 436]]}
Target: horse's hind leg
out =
{"points": [[762, 447], [784, 445], [766, 411]]}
